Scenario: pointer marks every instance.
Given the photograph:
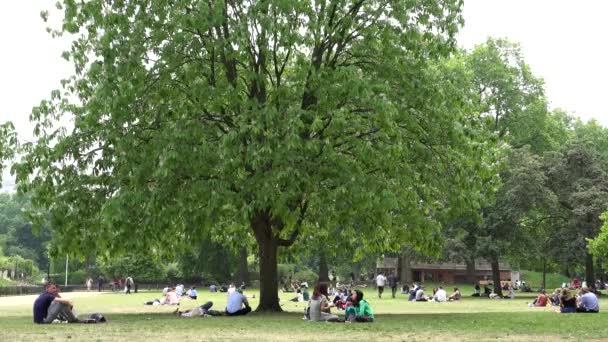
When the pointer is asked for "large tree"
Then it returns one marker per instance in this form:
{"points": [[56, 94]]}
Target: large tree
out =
{"points": [[252, 119]]}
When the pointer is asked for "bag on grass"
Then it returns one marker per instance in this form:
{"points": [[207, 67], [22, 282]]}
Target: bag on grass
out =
{"points": [[99, 318]]}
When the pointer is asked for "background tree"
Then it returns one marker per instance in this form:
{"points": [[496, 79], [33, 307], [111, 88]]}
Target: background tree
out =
{"points": [[580, 182]]}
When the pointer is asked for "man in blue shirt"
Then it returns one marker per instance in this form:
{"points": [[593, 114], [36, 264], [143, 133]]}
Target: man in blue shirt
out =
{"points": [[50, 306], [588, 302], [236, 300], [192, 294]]}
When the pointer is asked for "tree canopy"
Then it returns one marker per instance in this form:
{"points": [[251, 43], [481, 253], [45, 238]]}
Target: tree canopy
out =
{"points": [[255, 119]]}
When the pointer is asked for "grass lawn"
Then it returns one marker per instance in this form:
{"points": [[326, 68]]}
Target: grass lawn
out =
{"points": [[396, 320]]}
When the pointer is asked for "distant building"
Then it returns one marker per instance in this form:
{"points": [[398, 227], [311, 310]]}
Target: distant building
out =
{"points": [[441, 272]]}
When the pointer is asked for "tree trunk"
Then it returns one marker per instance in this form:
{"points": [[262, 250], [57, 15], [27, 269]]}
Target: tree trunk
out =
{"points": [[323, 270], [544, 273], [242, 273], [496, 276], [268, 245], [470, 272], [589, 273]]}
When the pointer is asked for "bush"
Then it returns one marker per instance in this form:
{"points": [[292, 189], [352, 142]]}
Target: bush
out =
{"points": [[307, 275]]}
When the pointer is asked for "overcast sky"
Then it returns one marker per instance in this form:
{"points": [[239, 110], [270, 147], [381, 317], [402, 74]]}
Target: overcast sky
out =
{"points": [[564, 42]]}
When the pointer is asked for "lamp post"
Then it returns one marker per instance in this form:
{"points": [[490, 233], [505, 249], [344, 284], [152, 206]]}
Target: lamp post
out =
{"points": [[66, 270]]}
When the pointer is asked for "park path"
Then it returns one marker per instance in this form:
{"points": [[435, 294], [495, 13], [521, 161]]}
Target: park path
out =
{"points": [[29, 299]]}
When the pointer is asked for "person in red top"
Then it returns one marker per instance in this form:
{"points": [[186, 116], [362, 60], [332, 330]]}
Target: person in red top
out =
{"points": [[575, 283], [542, 299]]}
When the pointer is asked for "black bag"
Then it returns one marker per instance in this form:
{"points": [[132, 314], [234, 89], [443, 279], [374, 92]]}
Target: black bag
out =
{"points": [[99, 318]]}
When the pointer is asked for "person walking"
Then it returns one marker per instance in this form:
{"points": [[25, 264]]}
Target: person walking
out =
{"points": [[392, 282], [128, 284], [99, 283], [380, 282]]}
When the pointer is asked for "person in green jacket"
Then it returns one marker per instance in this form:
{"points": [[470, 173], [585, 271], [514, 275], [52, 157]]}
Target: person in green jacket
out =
{"points": [[360, 311]]}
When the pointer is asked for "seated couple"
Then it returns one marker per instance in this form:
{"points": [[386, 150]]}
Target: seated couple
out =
{"points": [[357, 309], [49, 307], [587, 302], [237, 306]]}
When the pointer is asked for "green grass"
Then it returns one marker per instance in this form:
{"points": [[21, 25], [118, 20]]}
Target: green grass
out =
{"points": [[397, 319], [535, 279]]}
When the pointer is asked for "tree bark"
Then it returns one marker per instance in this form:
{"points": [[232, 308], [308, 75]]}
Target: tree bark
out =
{"points": [[589, 272], [470, 272], [323, 270], [268, 246], [544, 273], [496, 276], [242, 274]]}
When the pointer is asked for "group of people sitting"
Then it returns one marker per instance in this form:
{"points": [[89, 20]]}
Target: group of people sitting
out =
{"points": [[173, 294], [417, 294], [356, 309], [238, 305], [584, 302]]}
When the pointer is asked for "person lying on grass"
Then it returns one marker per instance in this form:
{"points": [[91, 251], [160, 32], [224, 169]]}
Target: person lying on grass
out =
{"points": [[49, 306], [360, 311], [203, 310]]}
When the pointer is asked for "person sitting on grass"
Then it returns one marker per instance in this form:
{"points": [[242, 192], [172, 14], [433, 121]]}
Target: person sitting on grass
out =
{"points": [[169, 298], [299, 297], [405, 289], [212, 288], [237, 304], [455, 295], [541, 300], [477, 292], [440, 295], [342, 299], [191, 293], [305, 294], [421, 295], [511, 293], [360, 311], [49, 306], [202, 310], [554, 299], [567, 302], [319, 306], [587, 302]]}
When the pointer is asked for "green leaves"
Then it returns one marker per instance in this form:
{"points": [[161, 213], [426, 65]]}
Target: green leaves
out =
{"points": [[195, 116]]}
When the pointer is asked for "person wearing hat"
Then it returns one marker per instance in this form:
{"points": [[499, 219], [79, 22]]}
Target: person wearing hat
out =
{"points": [[237, 304]]}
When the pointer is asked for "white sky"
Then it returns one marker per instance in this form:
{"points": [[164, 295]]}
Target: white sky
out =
{"points": [[562, 40]]}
